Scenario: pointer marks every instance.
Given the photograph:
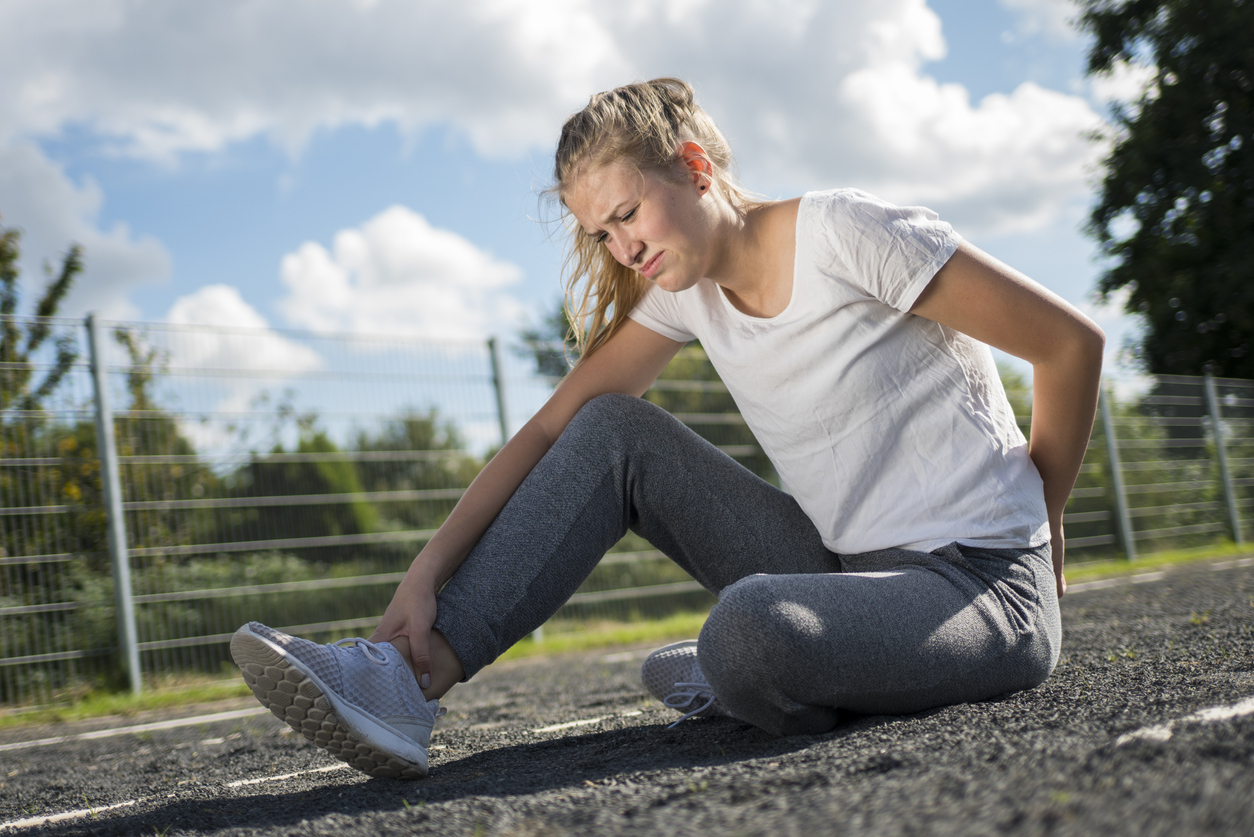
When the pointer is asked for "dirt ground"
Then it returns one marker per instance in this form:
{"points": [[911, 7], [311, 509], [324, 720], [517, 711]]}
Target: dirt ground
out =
{"points": [[1146, 727]]}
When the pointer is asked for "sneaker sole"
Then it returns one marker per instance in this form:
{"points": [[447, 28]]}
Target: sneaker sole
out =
{"points": [[296, 696]]}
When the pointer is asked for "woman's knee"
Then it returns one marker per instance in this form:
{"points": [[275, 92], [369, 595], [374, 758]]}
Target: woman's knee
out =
{"points": [[745, 629], [746, 649], [611, 422], [616, 408], [605, 412]]}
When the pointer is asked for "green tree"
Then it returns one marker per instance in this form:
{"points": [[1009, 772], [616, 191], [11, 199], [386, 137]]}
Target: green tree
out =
{"points": [[34, 361], [422, 455], [315, 466], [1176, 209], [551, 345], [35, 358], [21, 339]]}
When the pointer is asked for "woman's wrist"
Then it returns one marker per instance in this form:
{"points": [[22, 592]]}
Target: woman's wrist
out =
{"points": [[424, 575]]}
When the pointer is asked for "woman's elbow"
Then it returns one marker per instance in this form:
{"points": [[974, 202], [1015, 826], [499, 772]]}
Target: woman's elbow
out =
{"points": [[1078, 346], [1083, 339], [1092, 340]]}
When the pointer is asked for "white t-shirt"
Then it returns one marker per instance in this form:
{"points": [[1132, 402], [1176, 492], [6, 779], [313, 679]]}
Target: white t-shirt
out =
{"points": [[889, 429]]}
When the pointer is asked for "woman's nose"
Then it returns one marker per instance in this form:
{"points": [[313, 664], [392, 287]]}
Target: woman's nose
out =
{"points": [[625, 249]]}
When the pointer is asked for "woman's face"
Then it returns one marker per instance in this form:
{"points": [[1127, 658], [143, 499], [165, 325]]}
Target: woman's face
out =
{"points": [[661, 227]]}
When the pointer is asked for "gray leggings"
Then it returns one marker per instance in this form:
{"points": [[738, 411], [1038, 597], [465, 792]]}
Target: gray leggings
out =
{"points": [[799, 632]]}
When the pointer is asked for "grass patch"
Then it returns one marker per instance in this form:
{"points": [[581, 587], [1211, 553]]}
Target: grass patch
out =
{"points": [[98, 704], [590, 636], [1114, 567]]}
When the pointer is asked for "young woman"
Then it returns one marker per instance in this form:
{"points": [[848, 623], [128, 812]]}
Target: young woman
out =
{"points": [[907, 566]]}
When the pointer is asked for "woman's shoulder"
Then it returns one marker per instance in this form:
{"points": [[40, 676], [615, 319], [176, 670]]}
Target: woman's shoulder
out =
{"points": [[777, 217], [846, 200], [852, 216]]}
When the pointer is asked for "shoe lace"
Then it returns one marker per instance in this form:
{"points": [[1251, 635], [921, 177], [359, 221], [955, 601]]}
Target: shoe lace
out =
{"points": [[685, 696], [373, 653], [376, 656]]}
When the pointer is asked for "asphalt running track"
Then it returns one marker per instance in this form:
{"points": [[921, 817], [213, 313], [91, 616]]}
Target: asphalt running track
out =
{"points": [[1147, 727]]}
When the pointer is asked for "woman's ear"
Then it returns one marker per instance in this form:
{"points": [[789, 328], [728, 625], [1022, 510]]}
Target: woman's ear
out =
{"points": [[698, 164]]}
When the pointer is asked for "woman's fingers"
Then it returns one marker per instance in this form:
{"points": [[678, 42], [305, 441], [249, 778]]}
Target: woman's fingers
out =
{"points": [[420, 655], [407, 625], [1057, 551], [418, 627]]}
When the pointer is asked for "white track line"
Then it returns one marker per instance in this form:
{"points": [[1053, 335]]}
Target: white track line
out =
{"points": [[1163, 732], [570, 724], [586, 722], [69, 815], [244, 782], [1121, 581], [108, 733], [79, 813], [1227, 565]]}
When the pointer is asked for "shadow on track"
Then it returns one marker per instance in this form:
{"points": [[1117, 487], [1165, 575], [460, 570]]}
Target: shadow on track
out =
{"points": [[511, 770]]}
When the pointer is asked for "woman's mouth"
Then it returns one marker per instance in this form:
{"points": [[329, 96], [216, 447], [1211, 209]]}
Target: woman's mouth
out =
{"points": [[651, 266]]}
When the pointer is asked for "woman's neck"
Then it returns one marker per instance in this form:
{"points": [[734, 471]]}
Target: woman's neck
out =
{"points": [[754, 266]]}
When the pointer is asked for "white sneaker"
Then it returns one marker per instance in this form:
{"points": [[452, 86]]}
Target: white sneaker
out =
{"points": [[355, 699], [671, 675]]}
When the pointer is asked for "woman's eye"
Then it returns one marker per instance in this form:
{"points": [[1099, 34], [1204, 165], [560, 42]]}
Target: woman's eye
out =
{"points": [[600, 239], [629, 215]]}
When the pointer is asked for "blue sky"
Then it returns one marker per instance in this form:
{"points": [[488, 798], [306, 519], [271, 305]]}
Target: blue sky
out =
{"points": [[374, 165]]}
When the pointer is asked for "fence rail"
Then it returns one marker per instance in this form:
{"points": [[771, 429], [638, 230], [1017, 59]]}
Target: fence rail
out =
{"points": [[290, 477]]}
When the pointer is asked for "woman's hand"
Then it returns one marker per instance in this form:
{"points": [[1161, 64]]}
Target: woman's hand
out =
{"points": [[1057, 545], [407, 624]]}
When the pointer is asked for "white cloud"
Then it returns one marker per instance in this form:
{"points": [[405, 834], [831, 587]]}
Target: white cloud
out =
{"points": [[397, 274], [155, 78], [1011, 164], [53, 212], [261, 350], [223, 332], [813, 93], [829, 94], [1126, 82], [1053, 18]]}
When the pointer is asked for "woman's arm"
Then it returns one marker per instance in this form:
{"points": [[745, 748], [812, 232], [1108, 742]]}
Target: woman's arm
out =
{"points": [[981, 297], [628, 363]]}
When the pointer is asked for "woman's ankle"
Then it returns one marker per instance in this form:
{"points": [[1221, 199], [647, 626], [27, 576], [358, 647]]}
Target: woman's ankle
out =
{"points": [[445, 671]]}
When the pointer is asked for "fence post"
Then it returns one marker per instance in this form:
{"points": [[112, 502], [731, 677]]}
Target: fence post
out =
{"points": [[498, 384], [106, 443], [1230, 497], [1126, 536]]}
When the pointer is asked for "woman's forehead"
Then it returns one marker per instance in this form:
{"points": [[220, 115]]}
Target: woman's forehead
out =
{"points": [[596, 188], [593, 176]]}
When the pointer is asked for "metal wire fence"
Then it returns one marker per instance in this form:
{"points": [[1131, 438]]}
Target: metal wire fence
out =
{"points": [[291, 477]]}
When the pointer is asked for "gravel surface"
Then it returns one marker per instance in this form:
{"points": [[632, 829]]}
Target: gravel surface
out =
{"points": [[1146, 727]]}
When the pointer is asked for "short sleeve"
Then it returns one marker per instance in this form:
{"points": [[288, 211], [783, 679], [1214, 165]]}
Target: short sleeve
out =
{"points": [[888, 252], [659, 310]]}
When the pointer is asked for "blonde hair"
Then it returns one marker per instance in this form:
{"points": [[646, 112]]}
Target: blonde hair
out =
{"points": [[643, 124]]}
